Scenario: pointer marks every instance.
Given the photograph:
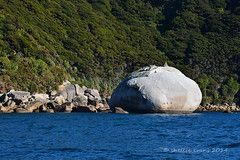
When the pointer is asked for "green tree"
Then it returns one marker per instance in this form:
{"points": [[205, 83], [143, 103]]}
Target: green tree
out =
{"points": [[230, 89]]}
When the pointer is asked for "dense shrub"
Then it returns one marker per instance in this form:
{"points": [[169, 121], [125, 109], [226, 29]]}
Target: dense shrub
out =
{"points": [[43, 42]]}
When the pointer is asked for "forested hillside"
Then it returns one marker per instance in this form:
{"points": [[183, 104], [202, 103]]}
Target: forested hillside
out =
{"points": [[97, 42]]}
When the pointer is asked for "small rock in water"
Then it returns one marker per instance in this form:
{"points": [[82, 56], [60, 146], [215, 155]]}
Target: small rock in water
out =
{"points": [[120, 110]]}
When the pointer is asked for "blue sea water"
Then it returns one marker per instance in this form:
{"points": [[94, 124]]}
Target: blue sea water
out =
{"points": [[118, 136]]}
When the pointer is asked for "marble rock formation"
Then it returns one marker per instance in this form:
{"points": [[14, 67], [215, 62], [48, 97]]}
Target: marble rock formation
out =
{"points": [[155, 89]]}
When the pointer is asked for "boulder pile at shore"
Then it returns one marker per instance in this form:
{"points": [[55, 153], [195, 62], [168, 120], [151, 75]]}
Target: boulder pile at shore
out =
{"points": [[226, 108], [73, 98], [68, 98]]}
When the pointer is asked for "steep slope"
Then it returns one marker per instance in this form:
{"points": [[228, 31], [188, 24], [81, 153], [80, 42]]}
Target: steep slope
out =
{"points": [[43, 42]]}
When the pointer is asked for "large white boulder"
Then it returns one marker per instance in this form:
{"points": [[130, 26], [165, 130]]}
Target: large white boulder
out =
{"points": [[157, 89]]}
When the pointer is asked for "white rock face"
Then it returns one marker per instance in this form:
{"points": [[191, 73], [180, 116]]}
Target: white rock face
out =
{"points": [[157, 89]]}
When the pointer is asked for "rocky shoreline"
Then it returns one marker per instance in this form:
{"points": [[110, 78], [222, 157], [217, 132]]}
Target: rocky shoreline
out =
{"points": [[226, 108], [73, 98], [68, 98]]}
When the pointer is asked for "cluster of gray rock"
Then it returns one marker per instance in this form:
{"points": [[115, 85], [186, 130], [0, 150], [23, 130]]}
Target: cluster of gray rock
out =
{"points": [[219, 108], [68, 98]]}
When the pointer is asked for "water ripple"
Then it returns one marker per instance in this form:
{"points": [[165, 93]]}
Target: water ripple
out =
{"points": [[115, 136]]}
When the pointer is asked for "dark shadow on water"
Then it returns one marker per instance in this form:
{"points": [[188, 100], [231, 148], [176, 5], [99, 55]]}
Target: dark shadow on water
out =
{"points": [[66, 149], [232, 145]]}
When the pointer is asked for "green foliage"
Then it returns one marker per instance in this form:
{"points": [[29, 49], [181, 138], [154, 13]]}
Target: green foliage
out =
{"points": [[44, 42], [105, 86], [203, 83], [230, 89]]}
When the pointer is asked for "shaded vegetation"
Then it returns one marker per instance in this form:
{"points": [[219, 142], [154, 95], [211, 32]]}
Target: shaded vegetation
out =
{"points": [[97, 42]]}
